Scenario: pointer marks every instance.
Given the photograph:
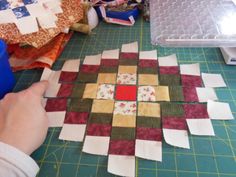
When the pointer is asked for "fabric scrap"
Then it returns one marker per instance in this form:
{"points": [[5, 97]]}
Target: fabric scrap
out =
{"points": [[72, 132], [150, 122], [162, 93], [89, 68], [127, 70], [201, 127], [174, 70], [92, 60], [103, 106], [90, 91], [190, 94], [195, 111], [169, 79], [65, 90], [172, 110], [80, 105], [176, 93], [125, 107], [170, 60], [127, 93], [100, 118], [56, 104], [149, 109], [152, 134], [122, 147], [76, 117], [105, 91], [146, 93], [148, 79], [68, 76], [126, 79], [191, 81], [122, 133], [106, 78], [123, 121], [87, 77], [98, 130], [213, 80], [78, 91]]}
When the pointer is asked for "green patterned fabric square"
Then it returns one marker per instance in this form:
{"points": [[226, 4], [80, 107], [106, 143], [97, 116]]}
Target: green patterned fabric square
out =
{"points": [[169, 79], [128, 62], [122, 133], [87, 77], [172, 110], [108, 69], [147, 70], [80, 105], [100, 118], [150, 122], [176, 93], [78, 91]]}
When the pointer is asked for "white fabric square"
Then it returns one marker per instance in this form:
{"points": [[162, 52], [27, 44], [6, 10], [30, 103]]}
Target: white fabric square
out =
{"points": [[97, 145], [205, 94], [170, 60], [201, 127], [121, 165], [178, 138], [151, 150], [36, 10], [219, 110], [146, 93], [47, 21], [50, 75], [7, 16], [73, 132], [213, 80], [127, 79], [130, 48], [92, 60], [111, 54], [27, 25], [190, 69], [125, 107], [71, 65], [56, 119], [105, 91], [148, 55]]}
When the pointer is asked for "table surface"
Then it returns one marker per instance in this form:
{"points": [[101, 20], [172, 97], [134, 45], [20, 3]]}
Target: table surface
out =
{"points": [[207, 157]]}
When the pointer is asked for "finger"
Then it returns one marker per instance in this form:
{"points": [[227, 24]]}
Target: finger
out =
{"points": [[39, 88]]}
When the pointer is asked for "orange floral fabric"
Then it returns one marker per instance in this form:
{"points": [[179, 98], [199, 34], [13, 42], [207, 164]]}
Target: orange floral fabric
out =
{"points": [[72, 13]]}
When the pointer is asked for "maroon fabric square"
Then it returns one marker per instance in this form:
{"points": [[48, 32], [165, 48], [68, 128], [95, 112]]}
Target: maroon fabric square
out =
{"points": [[65, 90], [174, 123], [76, 117], [99, 130], [122, 147], [110, 62], [56, 104], [195, 111], [127, 93], [194, 81], [190, 94], [148, 63], [153, 134], [128, 55], [169, 69], [89, 68], [68, 76]]}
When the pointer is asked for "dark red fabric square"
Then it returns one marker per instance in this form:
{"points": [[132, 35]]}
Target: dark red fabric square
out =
{"points": [[153, 134], [99, 130], [194, 81], [122, 147], [56, 104], [68, 76], [127, 93], [89, 68], [65, 90], [195, 111], [148, 63], [76, 117], [109, 62], [169, 69], [174, 123], [190, 94], [129, 56]]}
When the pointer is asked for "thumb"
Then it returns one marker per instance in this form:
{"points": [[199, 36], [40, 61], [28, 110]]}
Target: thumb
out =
{"points": [[39, 88]]}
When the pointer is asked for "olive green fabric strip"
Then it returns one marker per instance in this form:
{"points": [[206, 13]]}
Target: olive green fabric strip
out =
{"points": [[122, 133], [80, 105], [129, 62], [171, 109], [176, 93], [108, 69], [150, 122], [87, 77], [147, 70], [78, 91], [100, 118], [169, 79]]}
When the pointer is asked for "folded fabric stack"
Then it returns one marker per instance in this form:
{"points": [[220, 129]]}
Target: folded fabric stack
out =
{"points": [[37, 23]]}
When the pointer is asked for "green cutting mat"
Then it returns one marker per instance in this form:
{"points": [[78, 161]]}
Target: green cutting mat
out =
{"points": [[208, 156]]}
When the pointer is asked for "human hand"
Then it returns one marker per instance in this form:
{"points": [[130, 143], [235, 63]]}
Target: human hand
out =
{"points": [[23, 120]]}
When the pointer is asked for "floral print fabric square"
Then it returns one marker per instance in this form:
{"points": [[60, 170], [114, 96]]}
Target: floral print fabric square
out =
{"points": [[129, 79], [105, 91], [146, 93], [125, 107]]}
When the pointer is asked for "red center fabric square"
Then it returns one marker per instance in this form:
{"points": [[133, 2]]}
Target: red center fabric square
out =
{"points": [[127, 93]]}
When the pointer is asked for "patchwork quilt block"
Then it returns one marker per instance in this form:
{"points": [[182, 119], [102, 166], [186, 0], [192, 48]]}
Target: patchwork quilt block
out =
{"points": [[125, 104]]}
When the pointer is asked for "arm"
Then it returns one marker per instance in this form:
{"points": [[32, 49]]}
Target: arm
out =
{"points": [[23, 128]]}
